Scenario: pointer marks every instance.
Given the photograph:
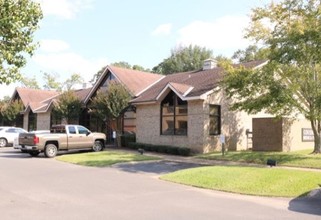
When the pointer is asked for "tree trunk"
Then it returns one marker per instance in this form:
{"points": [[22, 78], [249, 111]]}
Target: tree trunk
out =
{"points": [[317, 136], [118, 131]]}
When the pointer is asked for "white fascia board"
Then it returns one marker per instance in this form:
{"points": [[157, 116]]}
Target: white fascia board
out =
{"points": [[169, 86], [94, 88], [261, 65], [139, 93], [48, 106], [144, 103]]}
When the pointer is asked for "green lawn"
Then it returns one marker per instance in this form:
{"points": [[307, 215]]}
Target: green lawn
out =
{"points": [[104, 158], [295, 159], [249, 180]]}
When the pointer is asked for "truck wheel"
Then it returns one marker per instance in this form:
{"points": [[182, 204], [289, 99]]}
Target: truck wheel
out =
{"points": [[34, 153], [3, 142], [98, 146], [51, 150]]}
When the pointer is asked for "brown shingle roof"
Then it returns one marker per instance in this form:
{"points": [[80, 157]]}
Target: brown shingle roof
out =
{"points": [[201, 81], [134, 80], [34, 97], [82, 93], [40, 100]]}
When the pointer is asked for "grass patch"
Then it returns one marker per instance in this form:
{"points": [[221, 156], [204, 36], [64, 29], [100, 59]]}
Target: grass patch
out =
{"points": [[294, 159], [249, 180], [104, 158]]}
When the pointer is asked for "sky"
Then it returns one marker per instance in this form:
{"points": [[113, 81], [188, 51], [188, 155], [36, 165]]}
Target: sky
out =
{"points": [[82, 36]]}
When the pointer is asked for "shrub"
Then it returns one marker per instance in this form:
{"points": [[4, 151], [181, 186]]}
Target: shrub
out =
{"points": [[184, 151], [162, 148], [172, 150], [126, 139], [153, 148], [134, 145], [147, 147]]}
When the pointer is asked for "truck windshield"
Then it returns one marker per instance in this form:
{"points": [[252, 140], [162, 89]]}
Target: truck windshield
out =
{"points": [[82, 130]]}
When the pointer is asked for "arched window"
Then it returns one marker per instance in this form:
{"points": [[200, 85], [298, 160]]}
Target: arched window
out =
{"points": [[173, 115]]}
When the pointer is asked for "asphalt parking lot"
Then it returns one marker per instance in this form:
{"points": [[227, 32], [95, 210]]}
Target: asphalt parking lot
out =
{"points": [[42, 188]]}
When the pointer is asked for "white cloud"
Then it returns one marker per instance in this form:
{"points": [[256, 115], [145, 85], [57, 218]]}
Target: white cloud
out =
{"points": [[225, 33], [7, 90], [53, 45], [65, 9], [68, 63], [163, 29]]}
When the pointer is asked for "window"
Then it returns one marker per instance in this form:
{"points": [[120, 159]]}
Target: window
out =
{"points": [[82, 130], [173, 115], [32, 118], [215, 119], [72, 130]]}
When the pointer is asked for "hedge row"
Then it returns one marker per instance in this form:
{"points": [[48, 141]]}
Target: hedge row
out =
{"points": [[126, 139], [183, 151]]}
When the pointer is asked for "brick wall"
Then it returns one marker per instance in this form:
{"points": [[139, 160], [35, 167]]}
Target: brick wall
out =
{"points": [[43, 121], [283, 134], [148, 127], [267, 134], [234, 125]]}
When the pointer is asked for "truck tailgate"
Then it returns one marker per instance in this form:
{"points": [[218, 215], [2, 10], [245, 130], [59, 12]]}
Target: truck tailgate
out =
{"points": [[26, 139]]}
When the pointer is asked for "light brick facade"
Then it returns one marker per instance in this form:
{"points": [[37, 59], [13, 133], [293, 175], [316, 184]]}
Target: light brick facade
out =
{"points": [[234, 125], [43, 121]]}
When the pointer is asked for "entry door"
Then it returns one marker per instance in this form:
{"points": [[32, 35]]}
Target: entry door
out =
{"points": [[85, 137], [73, 138]]}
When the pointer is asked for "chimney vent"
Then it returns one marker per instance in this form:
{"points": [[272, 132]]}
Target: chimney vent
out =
{"points": [[209, 64]]}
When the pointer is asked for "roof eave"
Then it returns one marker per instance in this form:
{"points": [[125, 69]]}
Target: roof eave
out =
{"points": [[144, 102], [139, 93], [95, 87]]}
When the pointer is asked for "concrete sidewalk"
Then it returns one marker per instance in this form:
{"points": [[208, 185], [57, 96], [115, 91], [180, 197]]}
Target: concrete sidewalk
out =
{"points": [[206, 162]]}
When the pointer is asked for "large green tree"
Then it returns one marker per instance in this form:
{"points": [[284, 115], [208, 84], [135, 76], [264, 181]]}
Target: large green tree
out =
{"points": [[72, 81], [290, 83], [51, 82], [183, 59], [251, 53], [31, 83], [10, 110], [68, 107], [108, 105], [18, 21]]}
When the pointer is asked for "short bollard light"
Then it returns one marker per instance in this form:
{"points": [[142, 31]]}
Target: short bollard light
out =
{"points": [[222, 140], [141, 151], [271, 162]]}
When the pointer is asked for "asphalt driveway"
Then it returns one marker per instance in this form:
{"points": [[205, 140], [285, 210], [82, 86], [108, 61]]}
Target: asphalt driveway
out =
{"points": [[41, 188]]}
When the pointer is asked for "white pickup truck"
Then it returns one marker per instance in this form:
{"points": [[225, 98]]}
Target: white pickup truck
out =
{"points": [[61, 138]]}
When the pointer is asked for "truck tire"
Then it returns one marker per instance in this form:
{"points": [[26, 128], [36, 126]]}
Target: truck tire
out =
{"points": [[3, 142], [98, 146], [34, 153], [51, 150]]}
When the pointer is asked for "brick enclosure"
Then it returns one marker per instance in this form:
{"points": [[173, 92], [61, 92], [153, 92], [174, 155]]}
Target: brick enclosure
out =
{"points": [[285, 134]]}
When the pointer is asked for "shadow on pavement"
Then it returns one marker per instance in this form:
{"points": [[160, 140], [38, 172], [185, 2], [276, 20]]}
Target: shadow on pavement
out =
{"points": [[309, 205], [158, 167]]}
